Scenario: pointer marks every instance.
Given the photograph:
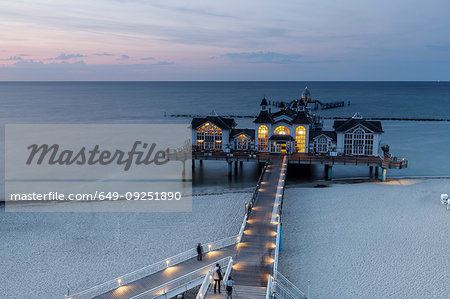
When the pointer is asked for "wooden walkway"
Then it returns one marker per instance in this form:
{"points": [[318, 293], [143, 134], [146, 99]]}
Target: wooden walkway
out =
{"points": [[253, 256], [157, 279], [254, 259]]}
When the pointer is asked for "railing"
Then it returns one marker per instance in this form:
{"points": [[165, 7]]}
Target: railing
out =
{"points": [[151, 269], [205, 285], [330, 157], [250, 203], [285, 289], [208, 280], [228, 270], [182, 283], [174, 260], [269, 288]]}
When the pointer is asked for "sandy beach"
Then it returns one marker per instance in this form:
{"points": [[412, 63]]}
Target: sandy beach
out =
{"points": [[43, 252], [368, 240]]}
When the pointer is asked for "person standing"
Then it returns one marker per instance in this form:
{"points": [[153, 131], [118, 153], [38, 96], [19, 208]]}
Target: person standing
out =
{"points": [[217, 275], [199, 252], [229, 287]]}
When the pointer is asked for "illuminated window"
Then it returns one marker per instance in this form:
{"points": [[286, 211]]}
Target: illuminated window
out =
{"points": [[300, 139], [282, 130], [241, 142], [263, 138], [209, 137]]}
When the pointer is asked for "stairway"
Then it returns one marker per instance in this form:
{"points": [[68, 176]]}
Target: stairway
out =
{"points": [[240, 292]]}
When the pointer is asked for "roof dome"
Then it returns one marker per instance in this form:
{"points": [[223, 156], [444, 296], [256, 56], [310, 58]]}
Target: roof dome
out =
{"points": [[306, 94]]}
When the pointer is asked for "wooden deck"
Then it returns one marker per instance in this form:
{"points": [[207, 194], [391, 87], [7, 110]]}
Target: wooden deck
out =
{"points": [[254, 258], [306, 158], [171, 273]]}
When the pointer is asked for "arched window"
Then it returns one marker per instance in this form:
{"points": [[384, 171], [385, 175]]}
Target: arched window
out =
{"points": [[209, 137], [281, 130], [263, 138], [300, 139], [358, 142], [241, 142]]}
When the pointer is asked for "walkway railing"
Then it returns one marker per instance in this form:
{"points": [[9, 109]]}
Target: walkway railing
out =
{"points": [[171, 261], [251, 203], [269, 287], [151, 269], [284, 289], [208, 280], [183, 283]]}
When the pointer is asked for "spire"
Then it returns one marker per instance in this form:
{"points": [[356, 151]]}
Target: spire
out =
{"points": [[264, 104], [213, 113]]}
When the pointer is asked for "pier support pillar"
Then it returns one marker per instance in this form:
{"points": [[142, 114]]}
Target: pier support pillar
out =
{"points": [[193, 164], [328, 172], [235, 167], [371, 171], [230, 171], [241, 163], [383, 177], [201, 162], [183, 170], [376, 172]]}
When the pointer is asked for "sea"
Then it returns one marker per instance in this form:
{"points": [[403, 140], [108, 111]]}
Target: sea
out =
{"points": [[155, 102]]}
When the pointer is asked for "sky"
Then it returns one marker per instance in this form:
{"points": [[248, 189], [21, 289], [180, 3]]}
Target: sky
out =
{"points": [[224, 40]]}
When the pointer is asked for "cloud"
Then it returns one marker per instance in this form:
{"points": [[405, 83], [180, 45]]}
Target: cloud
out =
{"points": [[124, 57], [147, 58], [64, 56], [28, 64], [79, 70], [264, 57], [164, 63], [12, 58], [103, 54]]}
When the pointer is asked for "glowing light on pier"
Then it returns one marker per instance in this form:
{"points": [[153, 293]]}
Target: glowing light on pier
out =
{"points": [[119, 281]]}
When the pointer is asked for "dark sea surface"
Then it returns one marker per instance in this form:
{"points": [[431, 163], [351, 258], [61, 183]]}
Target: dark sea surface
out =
{"points": [[147, 102]]}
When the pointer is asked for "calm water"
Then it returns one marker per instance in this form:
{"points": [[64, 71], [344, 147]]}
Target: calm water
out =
{"points": [[146, 102]]}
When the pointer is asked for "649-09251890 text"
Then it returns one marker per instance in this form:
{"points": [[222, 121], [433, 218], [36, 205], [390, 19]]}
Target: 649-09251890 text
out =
{"points": [[97, 196]]}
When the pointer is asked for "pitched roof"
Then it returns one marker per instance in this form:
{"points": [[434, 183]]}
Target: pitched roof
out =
{"points": [[315, 134], [301, 118], [344, 125], [288, 112], [248, 132], [280, 137], [264, 102], [282, 121], [221, 122], [264, 117]]}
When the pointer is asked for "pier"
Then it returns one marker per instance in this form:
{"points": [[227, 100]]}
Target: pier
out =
{"points": [[251, 257], [373, 162]]}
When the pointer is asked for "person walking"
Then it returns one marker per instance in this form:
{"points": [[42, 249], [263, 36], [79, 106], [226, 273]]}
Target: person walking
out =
{"points": [[218, 276], [229, 287], [199, 252]]}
